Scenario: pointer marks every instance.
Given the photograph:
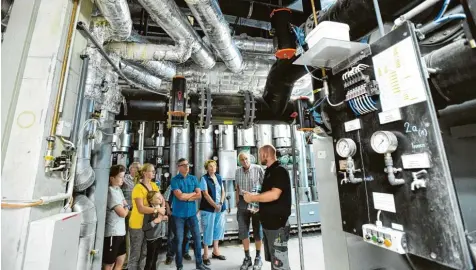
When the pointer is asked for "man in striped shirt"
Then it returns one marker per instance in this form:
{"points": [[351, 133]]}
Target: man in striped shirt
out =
{"points": [[248, 177]]}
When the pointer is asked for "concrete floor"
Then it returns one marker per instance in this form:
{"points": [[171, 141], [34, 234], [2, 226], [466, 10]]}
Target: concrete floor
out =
{"points": [[312, 246]]}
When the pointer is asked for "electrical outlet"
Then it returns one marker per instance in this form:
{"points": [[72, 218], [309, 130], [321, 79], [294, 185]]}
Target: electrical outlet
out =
{"points": [[384, 237]]}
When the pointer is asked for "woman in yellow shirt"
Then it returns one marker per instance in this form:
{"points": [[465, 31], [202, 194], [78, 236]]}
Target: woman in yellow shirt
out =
{"points": [[140, 206]]}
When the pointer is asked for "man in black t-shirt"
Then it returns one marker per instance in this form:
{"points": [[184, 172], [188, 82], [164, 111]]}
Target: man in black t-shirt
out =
{"points": [[274, 208]]}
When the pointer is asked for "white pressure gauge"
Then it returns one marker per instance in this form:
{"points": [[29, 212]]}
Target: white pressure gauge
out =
{"points": [[384, 142], [346, 148]]}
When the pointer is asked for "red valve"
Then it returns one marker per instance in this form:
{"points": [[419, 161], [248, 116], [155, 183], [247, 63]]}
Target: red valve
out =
{"points": [[294, 115]]}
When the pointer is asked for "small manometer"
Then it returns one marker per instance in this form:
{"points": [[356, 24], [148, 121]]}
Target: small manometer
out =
{"points": [[346, 148], [384, 142]]}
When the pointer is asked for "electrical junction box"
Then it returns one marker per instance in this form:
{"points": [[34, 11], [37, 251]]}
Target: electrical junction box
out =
{"points": [[53, 242], [64, 128], [384, 237]]}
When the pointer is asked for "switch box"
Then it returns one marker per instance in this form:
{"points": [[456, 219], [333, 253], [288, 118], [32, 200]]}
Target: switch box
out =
{"points": [[384, 237]]}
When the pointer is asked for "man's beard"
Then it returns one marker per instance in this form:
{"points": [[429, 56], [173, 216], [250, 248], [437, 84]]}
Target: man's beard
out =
{"points": [[264, 162]]}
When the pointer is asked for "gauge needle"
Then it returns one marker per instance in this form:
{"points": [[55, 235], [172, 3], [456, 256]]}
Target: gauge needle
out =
{"points": [[381, 142]]}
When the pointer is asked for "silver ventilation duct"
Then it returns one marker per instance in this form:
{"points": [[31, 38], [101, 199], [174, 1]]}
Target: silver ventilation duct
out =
{"points": [[168, 15], [179, 53], [254, 44], [215, 26], [119, 17], [140, 76], [87, 230], [162, 69]]}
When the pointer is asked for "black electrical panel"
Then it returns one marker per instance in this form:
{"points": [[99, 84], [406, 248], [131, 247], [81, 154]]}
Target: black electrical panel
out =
{"points": [[390, 154]]}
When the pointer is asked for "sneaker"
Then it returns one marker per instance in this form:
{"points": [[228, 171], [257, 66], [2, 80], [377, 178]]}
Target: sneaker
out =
{"points": [[258, 264], [246, 264], [187, 257], [203, 267], [169, 260]]}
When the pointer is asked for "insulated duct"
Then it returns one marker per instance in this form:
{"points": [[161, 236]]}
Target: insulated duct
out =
{"points": [[215, 26], [455, 79], [179, 53], [87, 233], [140, 76], [179, 147], [84, 172], [167, 14], [203, 149], [119, 17], [162, 69], [254, 44]]}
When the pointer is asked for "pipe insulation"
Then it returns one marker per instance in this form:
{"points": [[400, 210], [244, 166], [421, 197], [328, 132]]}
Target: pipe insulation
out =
{"points": [[179, 147], [87, 233], [140, 76], [168, 15], [455, 79], [203, 149], [254, 44], [179, 53], [215, 26], [119, 17], [162, 69]]}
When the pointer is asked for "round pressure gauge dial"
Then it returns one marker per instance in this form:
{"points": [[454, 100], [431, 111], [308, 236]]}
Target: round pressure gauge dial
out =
{"points": [[346, 148], [384, 142]]}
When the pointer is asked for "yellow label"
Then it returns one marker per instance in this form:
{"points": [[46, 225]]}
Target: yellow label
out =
{"points": [[228, 122], [49, 158]]}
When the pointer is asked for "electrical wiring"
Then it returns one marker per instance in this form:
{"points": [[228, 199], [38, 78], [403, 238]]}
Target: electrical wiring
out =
{"points": [[443, 9], [333, 105], [352, 107], [451, 18], [319, 102]]}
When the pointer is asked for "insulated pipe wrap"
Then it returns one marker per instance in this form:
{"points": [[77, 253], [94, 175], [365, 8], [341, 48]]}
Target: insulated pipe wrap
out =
{"points": [[168, 15], [119, 17], [215, 26], [162, 69], [140, 76]]}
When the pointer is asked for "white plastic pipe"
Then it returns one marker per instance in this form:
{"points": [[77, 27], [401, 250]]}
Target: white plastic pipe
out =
{"points": [[415, 11]]}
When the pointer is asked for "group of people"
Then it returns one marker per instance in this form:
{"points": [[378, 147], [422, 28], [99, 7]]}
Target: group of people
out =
{"points": [[136, 207]]}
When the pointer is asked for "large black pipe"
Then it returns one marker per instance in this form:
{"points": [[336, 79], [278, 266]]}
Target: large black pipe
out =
{"points": [[455, 79], [360, 14], [279, 84]]}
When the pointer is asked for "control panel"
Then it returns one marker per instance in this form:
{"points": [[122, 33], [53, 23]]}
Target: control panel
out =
{"points": [[383, 237], [390, 155]]}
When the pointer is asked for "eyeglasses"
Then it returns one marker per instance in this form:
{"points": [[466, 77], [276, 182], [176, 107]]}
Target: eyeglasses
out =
{"points": [[184, 165]]}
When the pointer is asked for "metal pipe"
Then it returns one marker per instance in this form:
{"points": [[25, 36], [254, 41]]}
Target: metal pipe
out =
{"points": [[254, 44], [379, 18], [79, 104], [179, 147], [82, 26], [203, 149], [87, 230], [297, 196], [415, 11], [118, 15], [49, 158], [141, 142], [102, 163], [215, 26]]}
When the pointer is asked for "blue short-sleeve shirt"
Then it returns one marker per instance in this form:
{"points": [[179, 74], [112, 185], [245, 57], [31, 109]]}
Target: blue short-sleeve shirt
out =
{"points": [[187, 184]]}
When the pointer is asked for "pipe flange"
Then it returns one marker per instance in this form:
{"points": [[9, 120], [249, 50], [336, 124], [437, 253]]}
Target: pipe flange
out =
{"points": [[205, 109], [202, 109]]}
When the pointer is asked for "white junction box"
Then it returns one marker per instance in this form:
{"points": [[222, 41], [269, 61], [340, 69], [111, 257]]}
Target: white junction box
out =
{"points": [[384, 237], [327, 29], [53, 242]]}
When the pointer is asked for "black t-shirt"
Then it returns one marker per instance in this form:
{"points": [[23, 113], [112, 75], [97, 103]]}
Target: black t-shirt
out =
{"points": [[274, 215]]}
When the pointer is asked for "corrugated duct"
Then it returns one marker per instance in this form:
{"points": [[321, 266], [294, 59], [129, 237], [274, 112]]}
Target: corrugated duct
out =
{"points": [[167, 14], [215, 26], [254, 44], [119, 17]]}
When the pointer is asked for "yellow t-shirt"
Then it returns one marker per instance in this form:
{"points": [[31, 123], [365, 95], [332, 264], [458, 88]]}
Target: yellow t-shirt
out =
{"points": [[139, 191]]}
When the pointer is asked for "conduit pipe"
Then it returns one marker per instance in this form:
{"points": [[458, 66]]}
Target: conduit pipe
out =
{"points": [[168, 15], [119, 17], [415, 11], [215, 26]]}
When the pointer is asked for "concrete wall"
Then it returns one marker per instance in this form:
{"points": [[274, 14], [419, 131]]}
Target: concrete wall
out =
{"points": [[31, 97]]}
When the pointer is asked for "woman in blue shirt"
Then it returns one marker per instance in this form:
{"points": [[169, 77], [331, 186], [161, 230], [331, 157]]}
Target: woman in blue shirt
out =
{"points": [[212, 211]]}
